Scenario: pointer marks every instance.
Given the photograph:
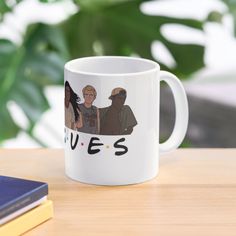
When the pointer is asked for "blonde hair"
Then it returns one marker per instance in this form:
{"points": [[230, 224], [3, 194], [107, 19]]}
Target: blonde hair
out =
{"points": [[90, 88]]}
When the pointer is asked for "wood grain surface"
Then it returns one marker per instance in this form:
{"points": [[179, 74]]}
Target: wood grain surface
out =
{"points": [[194, 194]]}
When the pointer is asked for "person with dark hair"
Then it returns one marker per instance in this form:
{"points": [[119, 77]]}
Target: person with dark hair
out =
{"points": [[117, 119], [73, 117]]}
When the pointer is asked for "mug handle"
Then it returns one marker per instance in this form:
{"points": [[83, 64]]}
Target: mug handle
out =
{"points": [[181, 111]]}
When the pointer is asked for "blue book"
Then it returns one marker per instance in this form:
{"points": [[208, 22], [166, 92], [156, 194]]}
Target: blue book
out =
{"points": [[17, 193]]}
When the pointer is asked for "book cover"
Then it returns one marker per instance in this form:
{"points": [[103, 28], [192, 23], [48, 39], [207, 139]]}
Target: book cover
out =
{"points": [[17, 193], [29, 220], [22, 210]]}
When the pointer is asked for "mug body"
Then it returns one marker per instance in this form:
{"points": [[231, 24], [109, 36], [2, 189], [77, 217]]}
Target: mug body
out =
{"points": [[111, 120]]}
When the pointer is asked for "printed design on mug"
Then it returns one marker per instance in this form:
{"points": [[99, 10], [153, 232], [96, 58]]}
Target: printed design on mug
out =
{"points": [[90, 113], [73, 116], [116, 119]]}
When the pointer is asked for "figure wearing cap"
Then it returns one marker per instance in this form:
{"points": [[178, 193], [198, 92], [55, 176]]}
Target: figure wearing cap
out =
{"points": [[117, 119]]}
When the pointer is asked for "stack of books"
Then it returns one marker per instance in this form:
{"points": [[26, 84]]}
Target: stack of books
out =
{"points": [[23, 205]]}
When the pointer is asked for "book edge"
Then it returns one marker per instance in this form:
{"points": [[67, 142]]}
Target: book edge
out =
{"points": [[21, 211], [29, 220], [34, 195]]}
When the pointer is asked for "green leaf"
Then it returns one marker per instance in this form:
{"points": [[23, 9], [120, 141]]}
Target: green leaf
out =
{"points": [[25, 70], [91, 5], [49, 1], [7, 6], [122, 29], [31, 99], [232, 10], [4, 7], [215, 16], [8, 128], [189, 58]]}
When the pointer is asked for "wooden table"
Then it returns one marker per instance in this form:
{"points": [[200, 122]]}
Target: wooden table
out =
{"points": [[194, 194]]}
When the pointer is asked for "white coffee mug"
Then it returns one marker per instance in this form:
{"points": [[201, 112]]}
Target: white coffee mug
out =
{"points": [[112, 119]]}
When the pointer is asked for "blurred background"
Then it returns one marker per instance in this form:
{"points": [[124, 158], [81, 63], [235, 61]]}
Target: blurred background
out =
{"points": [[193, 39]]}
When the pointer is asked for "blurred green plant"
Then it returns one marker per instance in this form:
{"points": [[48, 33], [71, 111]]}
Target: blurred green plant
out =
{"points": [[102, 27], [216, 16], [232, 11]]}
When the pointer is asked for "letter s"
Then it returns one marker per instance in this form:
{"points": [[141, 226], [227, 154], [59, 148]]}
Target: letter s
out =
{"points": [[117, 145]]}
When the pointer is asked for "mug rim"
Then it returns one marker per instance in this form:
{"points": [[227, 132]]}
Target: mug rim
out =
{"points": [[155, 66]]}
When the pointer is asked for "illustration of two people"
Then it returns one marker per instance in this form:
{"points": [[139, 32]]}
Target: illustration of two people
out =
{"points": [[116, 119]]}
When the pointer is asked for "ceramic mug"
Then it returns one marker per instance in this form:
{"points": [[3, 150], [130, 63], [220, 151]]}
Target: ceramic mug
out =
{"points": [[112, 119]]}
